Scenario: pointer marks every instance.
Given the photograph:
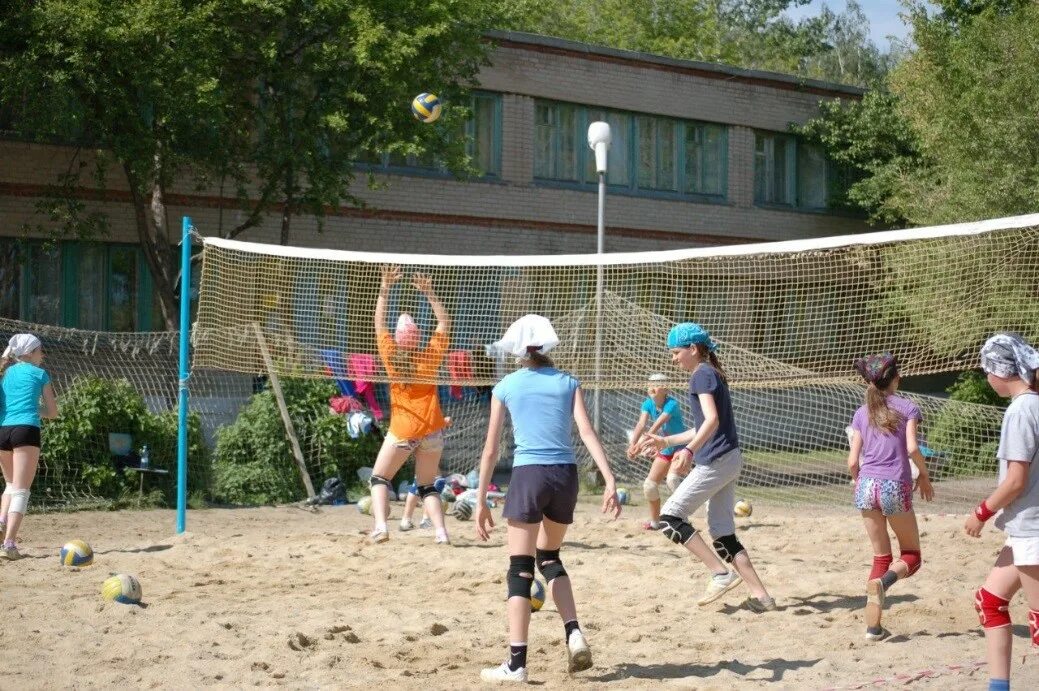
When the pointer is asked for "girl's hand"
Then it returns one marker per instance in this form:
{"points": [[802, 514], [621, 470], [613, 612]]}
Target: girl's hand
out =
{"points": [[653, 442], [484, 521], [854, 471], [422, 283], [682, 461], [926, 490], [610, 502], [391, 273], [631, 451], [972, 526]]}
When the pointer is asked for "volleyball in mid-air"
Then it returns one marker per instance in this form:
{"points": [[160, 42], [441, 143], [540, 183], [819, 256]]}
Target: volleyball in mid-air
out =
{"points": [[123, 589], [426, 107], [743, 508], [76, 553]]}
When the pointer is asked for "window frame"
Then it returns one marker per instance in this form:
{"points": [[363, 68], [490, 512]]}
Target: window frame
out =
{"points": [[796, 145]]}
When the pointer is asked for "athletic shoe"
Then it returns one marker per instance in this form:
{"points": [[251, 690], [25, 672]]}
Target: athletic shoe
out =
{"points": [[503, 673], [874, 603], [652, 525], [406, 525], [718, 586], [578, 654], [10, 553], [760, 604], [425, 524], [441, 540], [877, 634], [378, 535]]}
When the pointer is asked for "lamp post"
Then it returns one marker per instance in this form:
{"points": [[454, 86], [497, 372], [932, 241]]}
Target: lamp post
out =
{"points": [[599, 139]]}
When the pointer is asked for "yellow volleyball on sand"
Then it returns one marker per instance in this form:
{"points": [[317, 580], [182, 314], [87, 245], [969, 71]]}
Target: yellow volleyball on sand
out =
{"points": [[76, 553], [743, 508], [122, 588]]}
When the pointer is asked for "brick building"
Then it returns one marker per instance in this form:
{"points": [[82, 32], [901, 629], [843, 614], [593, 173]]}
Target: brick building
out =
{"points": [[700, 156]]}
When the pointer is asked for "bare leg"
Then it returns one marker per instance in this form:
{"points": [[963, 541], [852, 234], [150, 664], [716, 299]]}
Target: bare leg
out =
{"points": [[908, 534], [427, 465], [746, 571], [657, 473], [522, 538], [26, 458], [410, 502], [876, 530], [1004, 580], [7, 465], [387, 463], [551, 537]]}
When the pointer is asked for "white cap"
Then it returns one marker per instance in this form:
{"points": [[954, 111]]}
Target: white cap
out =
{"points": [[658, 377], [21, 345], [530, 332]]}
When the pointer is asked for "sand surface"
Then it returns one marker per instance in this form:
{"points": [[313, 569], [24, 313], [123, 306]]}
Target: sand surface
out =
{"points": [[286, 597]]}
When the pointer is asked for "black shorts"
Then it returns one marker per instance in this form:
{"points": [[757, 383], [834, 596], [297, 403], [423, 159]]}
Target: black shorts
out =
{"points": [[542, 491], [15, 436]]}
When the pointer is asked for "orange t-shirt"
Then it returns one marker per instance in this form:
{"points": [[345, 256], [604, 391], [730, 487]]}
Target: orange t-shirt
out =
{"points": [[415, 408]]}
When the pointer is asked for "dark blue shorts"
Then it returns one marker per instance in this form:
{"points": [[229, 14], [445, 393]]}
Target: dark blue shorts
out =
{"points": [[542, 491]]}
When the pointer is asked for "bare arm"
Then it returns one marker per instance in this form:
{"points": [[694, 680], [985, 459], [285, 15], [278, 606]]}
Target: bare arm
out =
{"points": [[923, 481], [636, 434], [424, 284], [854, 454], [661, 421], [591, 441], [1007, 491], [488, 458], [49, 409], [390, 275]]}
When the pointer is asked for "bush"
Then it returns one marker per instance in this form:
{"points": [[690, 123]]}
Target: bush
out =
{"points": [[75, 444], [969, 435], [253, 462]]}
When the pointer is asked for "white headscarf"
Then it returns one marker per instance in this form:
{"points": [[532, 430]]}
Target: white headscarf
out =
{"points": [[528, 333], [1007, 355], [21, 345]]}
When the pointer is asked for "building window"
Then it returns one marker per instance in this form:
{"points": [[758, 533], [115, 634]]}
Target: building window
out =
{"points": [[482, 131], [648, 153], [45, 284], [788, 172], [10, 279]]}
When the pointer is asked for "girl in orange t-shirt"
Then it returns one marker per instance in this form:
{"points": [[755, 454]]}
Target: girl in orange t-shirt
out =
{"points": [[416, 421]]}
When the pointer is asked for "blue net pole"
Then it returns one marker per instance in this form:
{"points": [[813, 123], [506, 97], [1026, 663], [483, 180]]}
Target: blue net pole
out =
{"points": [[182, 419]]}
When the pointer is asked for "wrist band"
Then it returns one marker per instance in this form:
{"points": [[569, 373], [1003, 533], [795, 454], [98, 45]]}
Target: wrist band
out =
{"points": [[983, 512]]}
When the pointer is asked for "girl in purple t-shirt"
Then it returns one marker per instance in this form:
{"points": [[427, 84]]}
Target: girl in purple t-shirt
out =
{"points": [[883, 439]]}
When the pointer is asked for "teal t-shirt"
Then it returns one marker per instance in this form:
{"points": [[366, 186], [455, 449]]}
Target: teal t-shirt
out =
{"points": [[674, 424], [22, 386], [541, 404]]}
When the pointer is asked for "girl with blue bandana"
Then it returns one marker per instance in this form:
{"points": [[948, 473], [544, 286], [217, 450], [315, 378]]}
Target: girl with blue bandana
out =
{"points": [[714, 444], [1012, 367]]}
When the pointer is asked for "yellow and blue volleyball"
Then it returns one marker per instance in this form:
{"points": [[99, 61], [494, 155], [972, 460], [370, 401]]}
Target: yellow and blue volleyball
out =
{"points": [[76, 553], [123, 589], [537, 595], [426, 107]]}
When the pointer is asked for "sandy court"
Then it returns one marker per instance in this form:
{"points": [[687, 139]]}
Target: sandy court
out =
{"points": [[284, 597]]}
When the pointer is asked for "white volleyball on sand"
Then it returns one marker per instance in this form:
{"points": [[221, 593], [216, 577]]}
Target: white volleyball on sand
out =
{"points": [[364, 505], [463, 510], [743, 508]]}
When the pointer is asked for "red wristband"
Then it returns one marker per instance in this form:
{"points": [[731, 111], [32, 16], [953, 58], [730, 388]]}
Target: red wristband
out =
{"points": [[983, 512]]}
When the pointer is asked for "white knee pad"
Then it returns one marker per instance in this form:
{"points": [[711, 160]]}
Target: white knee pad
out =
{"points": [[673, 481], [651, 490], [19, 501]]}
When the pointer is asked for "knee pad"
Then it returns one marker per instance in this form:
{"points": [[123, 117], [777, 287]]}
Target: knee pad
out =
{"points": [[676, 530], [673, 481], [19, 501], [1033, 626], [651, 490], [727, 547], [379, 480], [993, 611], [521, 575], [912, 559], [549, 563], [427, 490], [880, 566]]}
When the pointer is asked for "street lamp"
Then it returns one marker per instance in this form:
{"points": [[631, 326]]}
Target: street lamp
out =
{"points": [[599, 139]]}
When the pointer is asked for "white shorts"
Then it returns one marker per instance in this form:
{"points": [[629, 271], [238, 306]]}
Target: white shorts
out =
{"points": [[1025, 549], [432, 442]]}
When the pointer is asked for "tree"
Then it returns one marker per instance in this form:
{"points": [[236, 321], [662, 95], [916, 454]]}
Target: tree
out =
{"points": [[850, 56], [275, 97]]}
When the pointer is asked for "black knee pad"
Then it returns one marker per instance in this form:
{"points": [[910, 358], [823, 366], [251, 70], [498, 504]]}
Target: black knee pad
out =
{"points": [[676, 530], [520, 576], [426, 490], [554, 567], [727, 547], [379, 480]]}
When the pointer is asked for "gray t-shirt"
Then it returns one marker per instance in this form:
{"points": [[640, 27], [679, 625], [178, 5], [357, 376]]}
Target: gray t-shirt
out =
{"points": [[1019, 441]]}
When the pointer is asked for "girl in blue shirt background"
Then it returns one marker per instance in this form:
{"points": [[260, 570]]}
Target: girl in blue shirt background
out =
{"points": [[27, 396], [666, 416]]}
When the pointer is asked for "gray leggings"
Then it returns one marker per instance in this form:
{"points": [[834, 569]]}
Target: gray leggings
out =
{"points": [[713, 484]]}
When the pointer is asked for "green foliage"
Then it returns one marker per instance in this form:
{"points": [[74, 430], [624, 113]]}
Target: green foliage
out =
{"points": [[966, 432], [253, 462], [75, 444], [972, 387]]}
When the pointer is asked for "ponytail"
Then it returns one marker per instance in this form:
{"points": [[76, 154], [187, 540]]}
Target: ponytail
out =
{"points": [[709, 357], [535, 359], [881, 416]]}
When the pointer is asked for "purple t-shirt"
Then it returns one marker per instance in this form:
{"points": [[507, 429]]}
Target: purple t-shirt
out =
{"points": [[884, 454]]}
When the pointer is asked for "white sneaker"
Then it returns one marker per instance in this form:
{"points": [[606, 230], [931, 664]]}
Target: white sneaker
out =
{"points": [[442, 540], [425, 524], [378, 535], [718, 586], [503, 673], [406, 525], [579, 656]]}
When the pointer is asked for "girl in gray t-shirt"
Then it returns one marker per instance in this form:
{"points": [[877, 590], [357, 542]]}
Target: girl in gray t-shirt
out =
{"points": [[1011, 364]]}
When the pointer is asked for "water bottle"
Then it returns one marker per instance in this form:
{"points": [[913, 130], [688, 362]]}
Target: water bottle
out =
{"points": [[144, 458]]}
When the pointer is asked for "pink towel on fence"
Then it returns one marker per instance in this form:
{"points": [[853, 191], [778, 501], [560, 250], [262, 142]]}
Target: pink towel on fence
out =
{"points": [[460, 367], [361, 368]]}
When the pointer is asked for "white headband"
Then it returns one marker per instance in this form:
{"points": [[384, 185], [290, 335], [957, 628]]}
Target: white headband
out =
{"points": [[21, 345]]}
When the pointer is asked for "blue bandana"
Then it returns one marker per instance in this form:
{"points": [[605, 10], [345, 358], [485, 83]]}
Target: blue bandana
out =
{"points": [[688, 334]]}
